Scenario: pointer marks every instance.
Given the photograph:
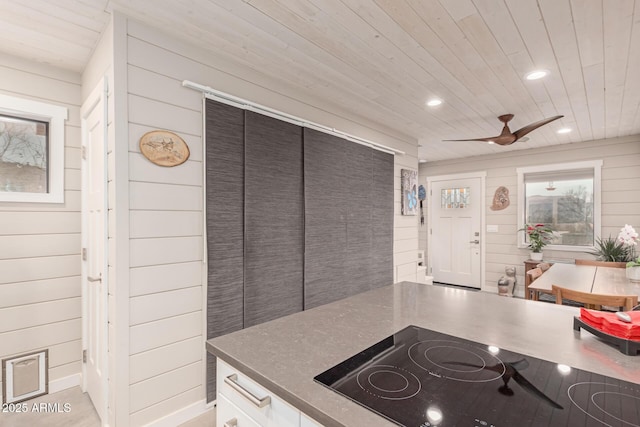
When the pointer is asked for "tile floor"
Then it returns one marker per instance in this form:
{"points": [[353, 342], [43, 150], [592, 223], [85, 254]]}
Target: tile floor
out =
{"points": [[69, 407], [73, 408]]}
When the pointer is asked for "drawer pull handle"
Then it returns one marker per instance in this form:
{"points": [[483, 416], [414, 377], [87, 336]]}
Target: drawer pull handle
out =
{"points": [[232, 381], [233, 422]]}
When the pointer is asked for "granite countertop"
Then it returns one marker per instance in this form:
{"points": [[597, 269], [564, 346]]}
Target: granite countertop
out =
{"points": [[285, 354]]}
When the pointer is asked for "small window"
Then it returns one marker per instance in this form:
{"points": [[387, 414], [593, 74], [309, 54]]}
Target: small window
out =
{"points": [[564, 197], [31, 151], [454, 198]]}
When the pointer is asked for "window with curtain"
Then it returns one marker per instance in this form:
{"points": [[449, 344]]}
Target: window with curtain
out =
{"points": [[564, 197]]}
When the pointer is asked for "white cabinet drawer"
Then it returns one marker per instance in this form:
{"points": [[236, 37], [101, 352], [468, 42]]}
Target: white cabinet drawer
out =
{"points": [[246, 394], [305, 421], [229, 415]]}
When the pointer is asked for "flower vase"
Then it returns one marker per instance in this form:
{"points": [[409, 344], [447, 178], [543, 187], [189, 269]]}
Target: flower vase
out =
{"points": [[536, 256], [633, 274]]}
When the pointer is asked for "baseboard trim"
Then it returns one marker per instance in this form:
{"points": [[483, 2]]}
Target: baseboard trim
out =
{"points": [[64, 383], [183, 415]]}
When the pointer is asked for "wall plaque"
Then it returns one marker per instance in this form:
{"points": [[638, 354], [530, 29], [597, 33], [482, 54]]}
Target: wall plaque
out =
{"points": [[164, 148], [500, 199]]}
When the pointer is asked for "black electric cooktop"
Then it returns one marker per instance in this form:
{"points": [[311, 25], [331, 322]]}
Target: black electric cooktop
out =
{"points": [[422, 378]]}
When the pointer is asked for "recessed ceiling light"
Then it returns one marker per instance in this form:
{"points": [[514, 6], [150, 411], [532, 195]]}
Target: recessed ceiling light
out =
{"points": [[434, 102], [564, 130], [423, 161], [535, 75], [491, 142]]}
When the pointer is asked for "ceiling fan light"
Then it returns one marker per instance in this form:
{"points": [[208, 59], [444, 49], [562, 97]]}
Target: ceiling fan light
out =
{"points": [[491, 142], [536, 74], [434, 102], [564, 130]]}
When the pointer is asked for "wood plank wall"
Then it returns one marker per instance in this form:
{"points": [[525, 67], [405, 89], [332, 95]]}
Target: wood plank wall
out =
{"points": [[620, 194], [40, 300], [166, 245], [166, 230]]}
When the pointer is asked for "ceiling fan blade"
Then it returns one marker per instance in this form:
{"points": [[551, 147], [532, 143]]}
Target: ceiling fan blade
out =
{"points": [[533, 126], [474, 139], [500, 139]]}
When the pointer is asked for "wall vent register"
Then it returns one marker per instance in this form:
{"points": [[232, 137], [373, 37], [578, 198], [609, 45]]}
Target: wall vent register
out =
{"points": [[422, 378]]}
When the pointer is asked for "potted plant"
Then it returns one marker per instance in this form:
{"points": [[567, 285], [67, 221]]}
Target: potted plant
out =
{"points": [[539, 236], [628, 237], [610, 250]]}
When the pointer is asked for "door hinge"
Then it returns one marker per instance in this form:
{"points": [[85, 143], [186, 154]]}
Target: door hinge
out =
{"points": [[84, 254], [84, 152], [84, 356]]}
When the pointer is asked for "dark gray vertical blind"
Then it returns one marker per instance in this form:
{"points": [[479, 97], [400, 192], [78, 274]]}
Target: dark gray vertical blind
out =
{"points": [[295, 219], [225, 224], [348, 218], [381, 204], [274, 219], [326, 195], [359, 188]]}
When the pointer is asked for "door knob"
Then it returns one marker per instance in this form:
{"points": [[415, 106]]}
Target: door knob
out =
{"points": [[475, 241]]}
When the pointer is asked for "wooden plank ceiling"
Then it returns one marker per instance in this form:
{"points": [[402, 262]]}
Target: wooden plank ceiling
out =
{"points": [[380, 60]]}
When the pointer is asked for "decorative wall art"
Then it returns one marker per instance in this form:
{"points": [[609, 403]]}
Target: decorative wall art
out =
{"points": [[409, 186], [164, 148], [422, 195], [500, 199]]}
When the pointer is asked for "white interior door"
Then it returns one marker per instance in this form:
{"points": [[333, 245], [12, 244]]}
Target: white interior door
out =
{"points": [[95, 292], [455, 231]]}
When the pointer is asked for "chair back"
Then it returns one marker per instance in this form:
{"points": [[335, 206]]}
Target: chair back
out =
{"points": [[534, 273], [601, 263], [544, 266], [595, 301]]}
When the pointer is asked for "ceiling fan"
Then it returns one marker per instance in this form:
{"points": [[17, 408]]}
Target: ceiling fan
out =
{"points": [[507, 137]]}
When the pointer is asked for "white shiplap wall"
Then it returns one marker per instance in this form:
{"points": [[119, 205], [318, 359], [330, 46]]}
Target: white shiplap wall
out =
{"points": [[40, 292], [167, 289], [620, 194]]}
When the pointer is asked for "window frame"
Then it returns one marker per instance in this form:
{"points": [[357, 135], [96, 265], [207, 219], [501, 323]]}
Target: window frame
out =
{"points": [[596, 165], [55, 115]]}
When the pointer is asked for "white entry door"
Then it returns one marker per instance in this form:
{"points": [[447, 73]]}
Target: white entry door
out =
{"points": [[455, 231], [95, 292]]}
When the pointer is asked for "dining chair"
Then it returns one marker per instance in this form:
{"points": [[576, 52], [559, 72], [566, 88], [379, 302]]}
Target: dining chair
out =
{"points": [[601, 263], [594, 301], [533, 274], [544, 266]]}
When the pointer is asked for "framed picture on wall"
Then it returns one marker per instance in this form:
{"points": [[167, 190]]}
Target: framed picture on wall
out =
{"points": [[409, 188]]}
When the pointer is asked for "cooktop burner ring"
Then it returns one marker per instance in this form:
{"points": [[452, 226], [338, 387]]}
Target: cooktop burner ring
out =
{"points": [[490, 367], [473, 369], [370, 378], [593, 399]]}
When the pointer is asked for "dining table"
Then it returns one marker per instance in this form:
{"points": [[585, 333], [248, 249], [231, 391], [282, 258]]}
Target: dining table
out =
{"points": [[584, 278]]}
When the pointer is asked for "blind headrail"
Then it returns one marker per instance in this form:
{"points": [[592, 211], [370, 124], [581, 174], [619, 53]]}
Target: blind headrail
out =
{"points": [[235, 101]]}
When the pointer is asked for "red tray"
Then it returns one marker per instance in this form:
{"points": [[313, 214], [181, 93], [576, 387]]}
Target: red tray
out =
{"points": [[628, 347]]}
